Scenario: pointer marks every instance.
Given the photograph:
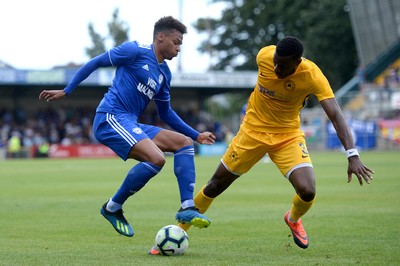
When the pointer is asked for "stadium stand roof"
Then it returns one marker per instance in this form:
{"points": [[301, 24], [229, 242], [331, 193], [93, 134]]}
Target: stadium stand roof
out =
{"points": [[376, 28], [212, 82]]}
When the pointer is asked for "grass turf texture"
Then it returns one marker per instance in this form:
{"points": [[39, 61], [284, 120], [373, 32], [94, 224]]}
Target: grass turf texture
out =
{"points": [[50, 215]]}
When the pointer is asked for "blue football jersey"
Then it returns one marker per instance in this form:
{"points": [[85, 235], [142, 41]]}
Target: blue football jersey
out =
{"points": [[139, 78]]}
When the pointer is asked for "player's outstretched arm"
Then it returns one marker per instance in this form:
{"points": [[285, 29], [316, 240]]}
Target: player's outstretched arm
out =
{"points": [[51, 95], [355, 166], [82, 73]]}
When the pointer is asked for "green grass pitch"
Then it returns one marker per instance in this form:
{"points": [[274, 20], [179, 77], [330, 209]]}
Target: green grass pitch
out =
{"points": [[50, 215]]}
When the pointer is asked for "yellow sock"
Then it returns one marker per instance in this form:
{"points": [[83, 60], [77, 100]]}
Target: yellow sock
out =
{"points": [[202, 202], [185, 227], [299, 208]]}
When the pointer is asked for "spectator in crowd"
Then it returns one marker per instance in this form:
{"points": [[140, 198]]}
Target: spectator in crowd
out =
{"points": [[14, 145]]}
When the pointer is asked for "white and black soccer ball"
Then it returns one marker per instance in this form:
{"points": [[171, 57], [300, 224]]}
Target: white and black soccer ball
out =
{"points": [[172, 240]]}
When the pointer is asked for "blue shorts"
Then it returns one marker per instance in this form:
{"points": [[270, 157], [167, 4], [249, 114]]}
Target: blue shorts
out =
{"points": [[120, 132]]}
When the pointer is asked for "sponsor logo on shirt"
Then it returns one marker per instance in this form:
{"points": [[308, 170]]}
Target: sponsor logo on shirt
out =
{"points": [[272, 93], [148, 89]]}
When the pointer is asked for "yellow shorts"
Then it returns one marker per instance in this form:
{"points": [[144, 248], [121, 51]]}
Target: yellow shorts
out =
{"points": [[287, 150]]}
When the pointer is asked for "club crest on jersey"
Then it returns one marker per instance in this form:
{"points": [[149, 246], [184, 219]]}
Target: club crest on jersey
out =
{"points": [[160, 79], [289, 85], [137, 130]]}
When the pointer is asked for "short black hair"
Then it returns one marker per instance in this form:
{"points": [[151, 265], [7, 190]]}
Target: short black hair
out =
{"points": [[290, 46], [168, 23]]}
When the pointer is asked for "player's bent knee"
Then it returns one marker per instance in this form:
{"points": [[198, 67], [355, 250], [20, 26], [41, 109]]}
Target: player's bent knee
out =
{"points": [[188, 142], [307, 195], [159, 161]]}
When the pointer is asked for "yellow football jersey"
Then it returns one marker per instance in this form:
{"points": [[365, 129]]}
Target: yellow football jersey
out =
{"points": [[275, 104]]}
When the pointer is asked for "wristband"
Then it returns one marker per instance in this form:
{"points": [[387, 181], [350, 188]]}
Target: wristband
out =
{"points": [[352, 152]]}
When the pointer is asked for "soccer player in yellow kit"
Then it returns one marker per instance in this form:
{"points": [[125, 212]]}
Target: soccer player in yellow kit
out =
{"points": [[272, 125]]}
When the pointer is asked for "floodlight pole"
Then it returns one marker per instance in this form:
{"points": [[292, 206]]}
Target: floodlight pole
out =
{"points": [[180, 17]]}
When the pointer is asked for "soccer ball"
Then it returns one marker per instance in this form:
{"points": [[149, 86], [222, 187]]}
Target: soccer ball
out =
{"points": [[172, 240]]}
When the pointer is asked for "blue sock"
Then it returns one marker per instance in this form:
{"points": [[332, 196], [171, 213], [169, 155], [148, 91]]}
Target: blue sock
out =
{"points": [[185, 172], [136, 178]]}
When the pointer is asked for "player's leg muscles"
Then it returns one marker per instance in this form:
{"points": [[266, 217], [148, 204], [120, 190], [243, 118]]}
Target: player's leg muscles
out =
{"points": [[220, 181]]}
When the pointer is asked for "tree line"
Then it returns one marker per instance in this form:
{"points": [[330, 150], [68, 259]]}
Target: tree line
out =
{"points": [[234, 39]]}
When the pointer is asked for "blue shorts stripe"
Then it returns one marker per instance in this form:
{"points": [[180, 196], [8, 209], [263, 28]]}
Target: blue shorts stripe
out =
{"points": [[120, 130]]}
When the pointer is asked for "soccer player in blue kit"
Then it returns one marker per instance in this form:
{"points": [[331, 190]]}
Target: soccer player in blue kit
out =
{"points": [[143, 75]]}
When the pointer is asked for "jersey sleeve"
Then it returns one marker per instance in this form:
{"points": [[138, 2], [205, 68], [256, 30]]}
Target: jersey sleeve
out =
{"points": [[174, 121], [87, 69], [123, 54], [320, 86]]}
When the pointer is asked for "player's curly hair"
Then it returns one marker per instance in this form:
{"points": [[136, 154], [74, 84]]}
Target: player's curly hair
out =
{"points": [[290, 46], [168, 23]]}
